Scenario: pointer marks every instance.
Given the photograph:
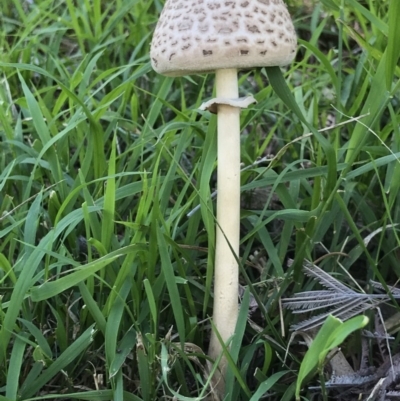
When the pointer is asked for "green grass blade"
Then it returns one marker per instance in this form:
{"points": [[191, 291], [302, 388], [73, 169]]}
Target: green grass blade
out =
{"points": [[42, 130], [267, 384], [50, 289], [91, 395], [124, 348], [236, 345], [393, 47], [15, 366], [113, 325], [31, 224], [281, 88], [23, 282], [93, 307], [374, 105], [374, 20], [107, 226], [39, 337], [73, 352], [171, 282], [151, 301]]}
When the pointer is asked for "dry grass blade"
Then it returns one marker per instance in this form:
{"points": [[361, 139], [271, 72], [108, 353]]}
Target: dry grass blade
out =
{"points": [[323, 278], [313, 300], [340, 300], [393, 290]]}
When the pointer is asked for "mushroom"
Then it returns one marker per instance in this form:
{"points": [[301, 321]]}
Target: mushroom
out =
{"points": [[201, 36]]}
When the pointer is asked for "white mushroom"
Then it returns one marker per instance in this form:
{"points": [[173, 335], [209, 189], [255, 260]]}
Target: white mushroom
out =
{"points": [[197, 36], [200, 36]]}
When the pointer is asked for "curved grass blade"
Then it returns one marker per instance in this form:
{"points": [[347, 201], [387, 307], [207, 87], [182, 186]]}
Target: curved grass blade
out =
{"points": [[73, 352], [50, 289]]}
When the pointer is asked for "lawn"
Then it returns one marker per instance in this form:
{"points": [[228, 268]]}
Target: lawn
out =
{"points": [[108, 210]]}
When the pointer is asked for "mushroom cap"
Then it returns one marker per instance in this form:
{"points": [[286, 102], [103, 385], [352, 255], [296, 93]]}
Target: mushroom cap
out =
{"points": [[197, 36]]}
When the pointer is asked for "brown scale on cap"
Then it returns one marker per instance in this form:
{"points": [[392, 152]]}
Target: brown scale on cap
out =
{"points": [[195, 36]]}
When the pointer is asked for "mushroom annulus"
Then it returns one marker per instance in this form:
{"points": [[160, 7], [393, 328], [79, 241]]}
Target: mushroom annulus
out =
{"points": [[206, 36]]}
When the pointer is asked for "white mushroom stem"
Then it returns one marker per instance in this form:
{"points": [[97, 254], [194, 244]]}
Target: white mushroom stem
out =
{"points": [[228, 217]]}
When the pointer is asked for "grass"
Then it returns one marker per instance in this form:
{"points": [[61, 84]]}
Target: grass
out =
{"points": [[106, 284]]}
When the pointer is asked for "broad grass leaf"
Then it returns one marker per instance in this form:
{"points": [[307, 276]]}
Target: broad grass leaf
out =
{"points": [[342, 332], [323, 343], [15, 366], [312, 357]]}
